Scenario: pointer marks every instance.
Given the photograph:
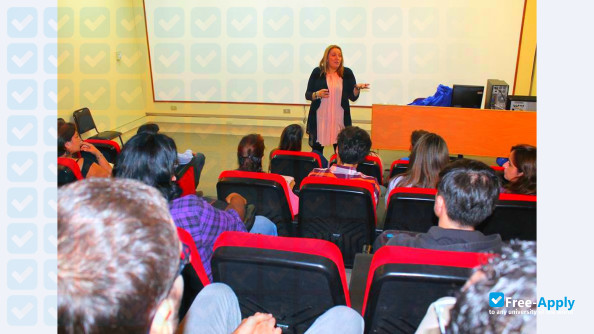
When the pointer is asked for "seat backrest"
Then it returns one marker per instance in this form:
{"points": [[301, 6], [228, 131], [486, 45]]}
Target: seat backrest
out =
{"points": [[268, 192], [295, 164], [295, 279], [404, 281], [109, 148], [338, 210], [371, 166], [514, 218], [398, 167], [410, 209], [68, 171], [186, 178], [84, 120], [195, 277]]}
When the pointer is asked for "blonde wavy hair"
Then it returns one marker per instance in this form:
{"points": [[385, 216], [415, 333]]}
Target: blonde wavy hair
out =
{"points": [[324, 61]]}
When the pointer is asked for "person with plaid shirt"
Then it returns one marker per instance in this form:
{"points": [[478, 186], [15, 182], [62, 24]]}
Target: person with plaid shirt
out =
{"points": [[354, 144]]}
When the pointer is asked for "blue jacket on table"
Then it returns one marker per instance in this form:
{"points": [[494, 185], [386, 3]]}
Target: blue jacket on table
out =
{"points": [[317, 82]]}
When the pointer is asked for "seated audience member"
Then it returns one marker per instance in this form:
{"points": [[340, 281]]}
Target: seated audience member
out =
{"points": [[91, 162], [291, 140], [520, 171], [513, 274], [151, 158], [414, 137], [250, 153], [466, 195], [353, 145], [119, 270], [182, 158], [429, 156]]}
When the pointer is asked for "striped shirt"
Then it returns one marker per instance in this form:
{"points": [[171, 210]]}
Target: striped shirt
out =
{"points": [[344, 172]]}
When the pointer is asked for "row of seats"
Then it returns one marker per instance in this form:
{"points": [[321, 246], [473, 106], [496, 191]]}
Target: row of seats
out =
{"points": [[298, 279], [300, 164], [343, 212]]}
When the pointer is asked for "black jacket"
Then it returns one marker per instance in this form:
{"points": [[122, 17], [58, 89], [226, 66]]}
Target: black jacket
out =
{"points": [[449, 240], [317, 82]]}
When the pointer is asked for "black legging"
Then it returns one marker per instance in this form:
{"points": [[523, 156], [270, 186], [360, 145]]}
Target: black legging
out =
{"points": [[318, 147]]}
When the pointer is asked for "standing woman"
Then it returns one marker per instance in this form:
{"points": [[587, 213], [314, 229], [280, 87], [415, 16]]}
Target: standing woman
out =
{"points": [[330, 87]]}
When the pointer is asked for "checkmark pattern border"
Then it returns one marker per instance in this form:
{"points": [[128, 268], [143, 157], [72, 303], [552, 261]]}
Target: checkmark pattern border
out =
{"points": [[29, 228]]}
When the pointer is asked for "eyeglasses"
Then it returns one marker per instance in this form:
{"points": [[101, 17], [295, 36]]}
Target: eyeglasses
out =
{"points": [[183, 261], [184, 258]]}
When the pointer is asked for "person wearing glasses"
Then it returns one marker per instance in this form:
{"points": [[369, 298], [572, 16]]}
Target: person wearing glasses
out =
{"points": [[119, 269]]}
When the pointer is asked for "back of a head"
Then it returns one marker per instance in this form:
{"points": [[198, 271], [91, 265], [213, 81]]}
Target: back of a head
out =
{"points": [[148, 127], [429, 156], [514, 274], [151, 159], [524, 158], [415, 136], [354, 144], [250, 152], [65, 133], [470, 190], [118, 256], [291, 138]]}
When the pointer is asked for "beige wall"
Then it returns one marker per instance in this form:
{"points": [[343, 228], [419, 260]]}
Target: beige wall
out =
{"points": [[119, 93], [89, 74]]}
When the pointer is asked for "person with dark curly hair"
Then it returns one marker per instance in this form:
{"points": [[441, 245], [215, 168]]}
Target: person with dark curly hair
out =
{"points": [[354, 144], [513, 273]]}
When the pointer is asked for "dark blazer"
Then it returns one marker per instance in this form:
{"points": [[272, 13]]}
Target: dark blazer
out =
{"points": [[447, 239], [317, 82]]}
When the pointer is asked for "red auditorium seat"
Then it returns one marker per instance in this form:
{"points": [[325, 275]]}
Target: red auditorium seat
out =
{"points": [[514, 218], [372, 166], [268, 192], [295, 164], [295, 279], [109, 148], [195, 278], [410, 209], [68, 171], [340, 211], [187, 177], [404, 281], [398, 167]]}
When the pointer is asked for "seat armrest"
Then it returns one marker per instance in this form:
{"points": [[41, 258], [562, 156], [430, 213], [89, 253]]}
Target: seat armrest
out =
{"points": [[359, 280]]}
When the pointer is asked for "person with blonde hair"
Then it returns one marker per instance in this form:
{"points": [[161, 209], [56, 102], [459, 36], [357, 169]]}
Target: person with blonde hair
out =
{"points": [[330, 87]]}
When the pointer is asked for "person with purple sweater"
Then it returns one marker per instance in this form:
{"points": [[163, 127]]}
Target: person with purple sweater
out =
{"points": [[152, 158]]}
